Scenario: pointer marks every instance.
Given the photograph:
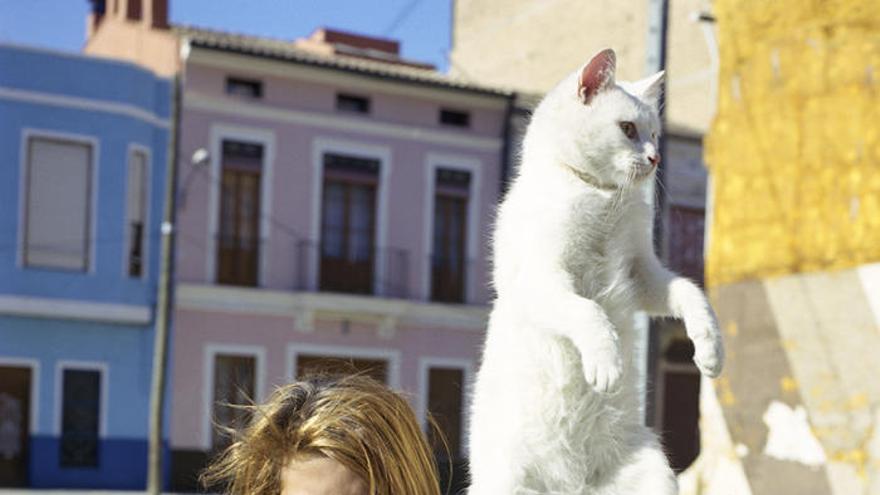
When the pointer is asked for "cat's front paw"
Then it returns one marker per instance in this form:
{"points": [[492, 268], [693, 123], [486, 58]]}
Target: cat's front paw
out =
{"points": [[602, 367], [709, 354]]}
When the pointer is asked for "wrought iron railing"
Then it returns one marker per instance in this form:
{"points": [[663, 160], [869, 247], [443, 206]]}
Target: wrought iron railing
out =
{"points": [[383, 272], [371, 270], [238, 260], [448, 278]]}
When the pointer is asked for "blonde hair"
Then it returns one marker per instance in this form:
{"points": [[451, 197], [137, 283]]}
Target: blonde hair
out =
{"points": [[353, 420]]}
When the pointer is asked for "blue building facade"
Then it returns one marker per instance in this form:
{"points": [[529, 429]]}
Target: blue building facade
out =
{"points": [[83, 153]]}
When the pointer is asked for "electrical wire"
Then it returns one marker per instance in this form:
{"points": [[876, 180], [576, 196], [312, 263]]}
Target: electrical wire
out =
{"points": [[401, 16]]}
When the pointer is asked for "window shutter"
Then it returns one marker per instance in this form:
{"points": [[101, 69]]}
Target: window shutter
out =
{"points": [[58, 194]]}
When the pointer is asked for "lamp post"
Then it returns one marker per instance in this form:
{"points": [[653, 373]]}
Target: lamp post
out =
{"points": [[163, 303]]}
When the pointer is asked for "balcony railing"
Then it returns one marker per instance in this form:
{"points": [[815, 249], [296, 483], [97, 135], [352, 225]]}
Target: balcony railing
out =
{"points": [[383, 272], [375, 271], [448, 278], [238, 260]]}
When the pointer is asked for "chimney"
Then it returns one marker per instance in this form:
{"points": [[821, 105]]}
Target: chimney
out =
{"points": [[327, 41], [156, 13], [150, 13], [335, 37]]}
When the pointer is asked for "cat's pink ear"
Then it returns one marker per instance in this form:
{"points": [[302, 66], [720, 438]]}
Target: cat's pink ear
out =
{"points": [[650, 88], [597, 76]]}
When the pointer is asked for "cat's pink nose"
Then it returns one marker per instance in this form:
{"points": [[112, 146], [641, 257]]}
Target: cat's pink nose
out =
{"points": [[654, 159]]}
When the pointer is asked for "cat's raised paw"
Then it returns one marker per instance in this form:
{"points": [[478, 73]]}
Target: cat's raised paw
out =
{"points": [[709, 355]]}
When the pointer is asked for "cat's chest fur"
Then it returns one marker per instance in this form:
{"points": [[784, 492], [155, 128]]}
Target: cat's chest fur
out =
{"points": [[599, 247]]}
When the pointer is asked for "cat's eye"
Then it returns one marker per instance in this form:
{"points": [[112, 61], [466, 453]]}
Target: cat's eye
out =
{"points": [[629, 130]]}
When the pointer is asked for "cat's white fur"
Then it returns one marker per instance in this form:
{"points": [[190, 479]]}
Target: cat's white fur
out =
{"points": [[556, 407]]}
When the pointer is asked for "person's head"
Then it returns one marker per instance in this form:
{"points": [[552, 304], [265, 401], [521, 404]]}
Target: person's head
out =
{"points": [[345, 435]]}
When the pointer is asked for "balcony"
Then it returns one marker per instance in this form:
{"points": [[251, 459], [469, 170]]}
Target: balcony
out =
{"points": [[448, 278], [238, 260], [375, 286], [368, 270], [382, 272], [376, 272]]}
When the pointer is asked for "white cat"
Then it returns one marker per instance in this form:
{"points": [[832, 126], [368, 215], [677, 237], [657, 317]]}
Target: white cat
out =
{"points": [[556, 407]]}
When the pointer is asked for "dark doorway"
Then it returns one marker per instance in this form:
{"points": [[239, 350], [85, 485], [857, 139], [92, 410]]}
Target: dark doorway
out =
{"points": [[235, 384], [446, 407], [15, 413]]}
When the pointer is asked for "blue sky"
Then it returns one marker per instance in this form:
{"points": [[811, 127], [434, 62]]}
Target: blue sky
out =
{"points": [[423, 26]]}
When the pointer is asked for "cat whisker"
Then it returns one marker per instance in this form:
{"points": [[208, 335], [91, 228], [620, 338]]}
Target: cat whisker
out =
{"points": [[657, 190]]}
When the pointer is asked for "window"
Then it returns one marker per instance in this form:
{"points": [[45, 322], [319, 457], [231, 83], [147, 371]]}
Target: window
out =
{"points": [[235, 383], [134, 9], [348, 223], [250, 88], [445, 404], [240, 195], [448, 262], [376, 369], [80, 417], [136, 212], [686, 227], [99, 7], [58, 180], [456, 118], [352, 103], [15, 423]]}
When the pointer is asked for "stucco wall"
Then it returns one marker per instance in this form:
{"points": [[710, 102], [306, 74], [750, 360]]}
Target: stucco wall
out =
{"points": [[293, 172], [798, 395], [530, 46], [116, 105], [121, 39], [277, 338], [102, 319], [795, 149]]}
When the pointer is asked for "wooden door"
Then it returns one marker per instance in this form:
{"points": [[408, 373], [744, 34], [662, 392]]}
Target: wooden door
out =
{"points": [[445, 403], [234, 384], [448, 260], [15, 404], [238, 245], [348, 226]]}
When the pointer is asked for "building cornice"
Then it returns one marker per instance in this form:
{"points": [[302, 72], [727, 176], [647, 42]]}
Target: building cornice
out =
{"points": [[306, 307], [65, 309], [80, 103], [427, 88], [194, 100]]}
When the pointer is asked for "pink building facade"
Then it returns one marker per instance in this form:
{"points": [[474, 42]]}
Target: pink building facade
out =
{"points": [[339, 218]]}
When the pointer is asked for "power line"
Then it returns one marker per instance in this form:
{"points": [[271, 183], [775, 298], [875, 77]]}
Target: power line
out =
{"points": [[195, 241], [401, 16], [213, 180]]}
